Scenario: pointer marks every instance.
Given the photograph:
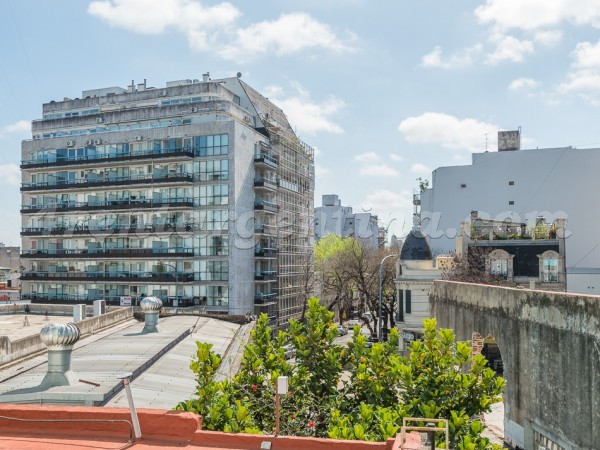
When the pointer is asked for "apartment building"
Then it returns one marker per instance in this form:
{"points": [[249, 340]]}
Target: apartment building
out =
{"points": [[199, 193]]}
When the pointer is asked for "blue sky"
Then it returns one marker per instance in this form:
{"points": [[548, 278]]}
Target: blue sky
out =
{"points": [[386, 91]]}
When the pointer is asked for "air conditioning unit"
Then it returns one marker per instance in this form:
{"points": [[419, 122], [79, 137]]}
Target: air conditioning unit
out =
{"points": [[89, 142], [70, 143], [99, 120], [97, 141], [139, 138]]}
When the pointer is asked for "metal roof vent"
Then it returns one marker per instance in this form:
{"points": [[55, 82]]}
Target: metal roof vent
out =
{"points": [[151, 307], [59, 338]]}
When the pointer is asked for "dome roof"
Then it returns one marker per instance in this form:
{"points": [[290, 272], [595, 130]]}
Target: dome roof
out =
{"points": [[415, 247]]}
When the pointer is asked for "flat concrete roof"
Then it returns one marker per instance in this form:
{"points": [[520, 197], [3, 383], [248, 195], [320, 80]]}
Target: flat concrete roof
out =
{"points": [[159, 361], [12, 325]]}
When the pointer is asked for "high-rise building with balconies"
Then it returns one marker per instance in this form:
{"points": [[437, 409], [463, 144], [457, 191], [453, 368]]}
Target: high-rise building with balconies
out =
{"points": [[199, 193]]}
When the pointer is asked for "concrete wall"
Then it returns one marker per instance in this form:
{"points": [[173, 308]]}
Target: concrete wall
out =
{"points": [[13, 350], [550, 346]]}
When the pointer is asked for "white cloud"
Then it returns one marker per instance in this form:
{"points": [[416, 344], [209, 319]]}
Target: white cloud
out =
{"points": [[19, 127], [460, 59], [308, 116], [378, 170], [536, 14], [140, 16], [396, 158], [290, 33], [420, 169], [366, 157], [508, 48], [10, 174], [548, 37], [584, 75], [217, 29], [522, 83], [448, 131], [383, 199]]}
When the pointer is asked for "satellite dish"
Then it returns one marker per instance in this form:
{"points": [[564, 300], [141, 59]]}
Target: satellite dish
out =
{"points": [[239, 74]]}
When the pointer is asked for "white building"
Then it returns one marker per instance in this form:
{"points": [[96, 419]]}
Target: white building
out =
{"points": [[198, 192], [333, 218], [522, 185]]}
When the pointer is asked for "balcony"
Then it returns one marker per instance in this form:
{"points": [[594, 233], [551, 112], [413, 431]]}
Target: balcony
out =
{"points": [[112, 299], [265, 183], [265, 252], [263, 228], [122, 156], [265, 298], [125, 203], [94, 253], [262, 159], [138, 277], [265, 205], [265, 275], [114, 229], [99, 181]]}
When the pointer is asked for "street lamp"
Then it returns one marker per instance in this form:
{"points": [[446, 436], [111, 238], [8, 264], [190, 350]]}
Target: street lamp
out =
{"points": [[176, 280], [379, 324]]}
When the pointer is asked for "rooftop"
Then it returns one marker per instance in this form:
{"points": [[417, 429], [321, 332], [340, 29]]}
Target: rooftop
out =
{"points": [[59, 427]]}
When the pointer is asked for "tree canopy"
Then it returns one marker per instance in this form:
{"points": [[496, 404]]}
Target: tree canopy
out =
{"points": [[348, 391]]}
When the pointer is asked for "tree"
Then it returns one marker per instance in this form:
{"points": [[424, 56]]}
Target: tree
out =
{"points": [[337, 288], [347, 392], [470, 268]]}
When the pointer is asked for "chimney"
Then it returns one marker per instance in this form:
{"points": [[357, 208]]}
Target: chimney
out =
{"points": [[206, 76], [151, 307], [59, 338]]}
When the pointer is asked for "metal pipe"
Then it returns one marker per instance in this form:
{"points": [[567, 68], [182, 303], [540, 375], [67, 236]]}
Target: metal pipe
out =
{"points": [[134, 417], [380, 319]]}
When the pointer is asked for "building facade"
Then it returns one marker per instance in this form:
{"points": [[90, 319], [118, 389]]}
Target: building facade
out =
{"points": [[520, 186], [333, 218], [199, 193]]}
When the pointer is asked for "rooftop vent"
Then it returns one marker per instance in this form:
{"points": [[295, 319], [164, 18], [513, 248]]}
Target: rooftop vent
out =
{"points": [[59, 338], [151, 308]]}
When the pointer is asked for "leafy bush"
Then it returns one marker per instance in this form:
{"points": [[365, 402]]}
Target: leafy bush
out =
{"points": [[347, 392]]}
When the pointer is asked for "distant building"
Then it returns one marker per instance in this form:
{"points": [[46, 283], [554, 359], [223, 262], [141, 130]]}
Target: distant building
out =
{"points": [[415, 272], [520, 186], [333, 218], [529, 256], [198, 192]]}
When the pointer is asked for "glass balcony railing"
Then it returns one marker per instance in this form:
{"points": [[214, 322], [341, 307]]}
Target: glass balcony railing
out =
{"points": [[265, 205], [263, 182], [120, 228], [155, 252], [266, 159], [111, 299], [265, 275], [265, 297], [180, 277], [108, 180], [265, 252], [128, 155], [123, 203]]}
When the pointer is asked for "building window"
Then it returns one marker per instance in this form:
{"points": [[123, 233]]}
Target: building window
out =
{"points": [[214, 170], [463, 186], [511, 183], [211, 195], [213, 145], [214, 245], [400, 310], [499, 267], [213, 220], [550, 270], [408, 301], [511, 202], [214, 270]]}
